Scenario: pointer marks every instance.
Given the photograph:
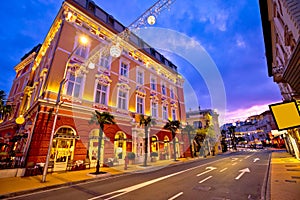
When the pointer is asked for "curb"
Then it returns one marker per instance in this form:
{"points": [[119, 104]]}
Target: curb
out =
{"points": [[15, 194], [265, 192]]}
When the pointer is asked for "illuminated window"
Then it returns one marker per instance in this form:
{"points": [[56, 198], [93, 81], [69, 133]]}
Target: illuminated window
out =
{"points": [[140, 78], [173, 114], [163, 89], [74, 85], [154, 109], [124, 68], [122, 100], [165, 112], [172, 93], [197, 124], [105, 60], [153, 83], [101, 94], [140, 105]]}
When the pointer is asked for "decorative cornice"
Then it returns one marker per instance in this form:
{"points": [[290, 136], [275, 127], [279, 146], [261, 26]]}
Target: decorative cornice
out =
{"points": [[103, 79], [123, 86], [47, 42], [25, 62]]}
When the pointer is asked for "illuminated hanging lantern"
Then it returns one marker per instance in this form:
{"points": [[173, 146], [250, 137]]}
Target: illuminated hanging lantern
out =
{"points": [[20, 119], [151, 20], [115, 50], [91, 65]]}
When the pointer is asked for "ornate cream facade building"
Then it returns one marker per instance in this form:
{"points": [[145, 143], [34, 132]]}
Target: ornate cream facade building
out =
{"points": [[67, 78], [281, 29]]}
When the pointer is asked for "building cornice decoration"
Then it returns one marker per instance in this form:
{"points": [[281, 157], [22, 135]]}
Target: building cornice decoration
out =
{"points": [[100, 106], [81, 19], [123, 86], [163, 97], [164, 102], [25, 62], [43, 72], [103, 79], [173, 103], [28, 90], [47, 42], [140, 91], [154, 98]]}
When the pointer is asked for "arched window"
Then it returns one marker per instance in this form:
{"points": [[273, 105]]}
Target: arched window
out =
{"points": [[63, 145], [120, 145], [154, 144]]}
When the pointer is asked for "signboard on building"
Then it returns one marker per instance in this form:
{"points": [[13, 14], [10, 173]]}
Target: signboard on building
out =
{"points": [[286, 115]]}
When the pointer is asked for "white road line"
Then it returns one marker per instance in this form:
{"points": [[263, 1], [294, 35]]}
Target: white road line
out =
{"points": [[222, 170], [138, 186], [205, 179], [175, 196], [248, 156], [209, 169], [234, 163]]}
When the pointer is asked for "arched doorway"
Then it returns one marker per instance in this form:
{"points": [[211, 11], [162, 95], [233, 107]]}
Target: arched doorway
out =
{"points": [[63, 147], [166, 149], [154, 144], [120, 146], [93, 147]]}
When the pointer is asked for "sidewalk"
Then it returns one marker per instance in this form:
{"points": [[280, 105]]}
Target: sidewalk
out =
{"points": [[285, 176], [284, 179]]}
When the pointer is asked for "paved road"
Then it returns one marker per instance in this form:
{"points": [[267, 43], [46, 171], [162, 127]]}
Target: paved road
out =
{"points": [[240, 175]]}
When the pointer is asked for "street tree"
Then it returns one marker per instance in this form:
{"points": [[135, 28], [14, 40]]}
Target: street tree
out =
{"points": [[188, 128], [101, 118], [173, 126], [146, 121], [5, 110]]}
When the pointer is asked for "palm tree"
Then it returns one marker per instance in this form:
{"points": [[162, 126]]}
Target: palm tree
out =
{"points": [[101, 118], [5, 110], [199, 139], [147, 122], [173, 126], [188, 128]]}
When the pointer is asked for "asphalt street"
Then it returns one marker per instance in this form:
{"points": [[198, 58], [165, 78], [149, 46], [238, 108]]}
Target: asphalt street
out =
{"points": [[241, 175]]}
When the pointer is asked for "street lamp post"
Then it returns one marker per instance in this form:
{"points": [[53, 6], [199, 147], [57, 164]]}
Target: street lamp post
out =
{"points": [[82, 41]]}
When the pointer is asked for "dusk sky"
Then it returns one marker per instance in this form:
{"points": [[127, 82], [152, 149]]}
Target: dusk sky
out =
{"points": [[229, 31]]}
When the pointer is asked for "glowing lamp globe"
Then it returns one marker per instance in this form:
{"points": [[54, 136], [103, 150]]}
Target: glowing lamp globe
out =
{"points": [[91, 65], [115, 51], [151, 20], [20, 119]]}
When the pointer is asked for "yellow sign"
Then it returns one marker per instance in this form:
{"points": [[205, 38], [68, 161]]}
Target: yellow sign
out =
{"points": [[286, 115]]}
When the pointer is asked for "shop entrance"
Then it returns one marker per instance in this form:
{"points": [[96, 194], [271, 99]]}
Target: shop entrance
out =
{"points": [[62, 150]]}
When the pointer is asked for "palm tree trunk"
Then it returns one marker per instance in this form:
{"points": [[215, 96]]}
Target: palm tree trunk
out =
{"points": [[190, 144], [174, 147], [99, 150], [146, 146]]}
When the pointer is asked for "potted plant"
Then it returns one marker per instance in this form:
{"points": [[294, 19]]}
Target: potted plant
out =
{"points": [[153, 155], [131, 157]]}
